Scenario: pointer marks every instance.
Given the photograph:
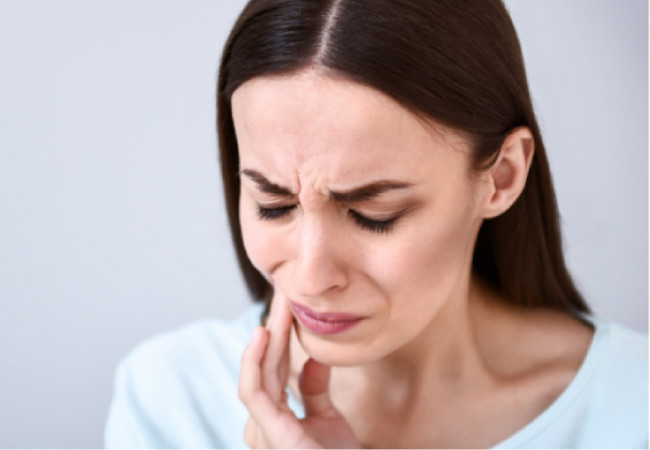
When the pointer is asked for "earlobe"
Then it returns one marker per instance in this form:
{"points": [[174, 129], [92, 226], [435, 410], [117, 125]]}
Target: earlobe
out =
{"points": [[508, 175]]}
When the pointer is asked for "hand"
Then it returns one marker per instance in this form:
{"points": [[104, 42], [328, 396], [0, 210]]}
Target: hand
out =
{"points": [[263, 378]]}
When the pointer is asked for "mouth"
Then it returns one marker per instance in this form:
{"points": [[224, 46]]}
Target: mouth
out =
{"points": [[324, 323]]}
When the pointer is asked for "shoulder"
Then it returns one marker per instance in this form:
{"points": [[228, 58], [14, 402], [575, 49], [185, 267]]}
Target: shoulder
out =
{"points": [[194, 345], [609, 361], [621, 366], [179, 388], [631, 343], [605, 404]]}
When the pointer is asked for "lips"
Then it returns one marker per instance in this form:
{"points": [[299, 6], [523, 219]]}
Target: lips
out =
{"points": [[324, 323]]}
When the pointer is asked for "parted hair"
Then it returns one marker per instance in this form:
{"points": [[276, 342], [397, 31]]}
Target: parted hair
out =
{"points": [[456, 62]]}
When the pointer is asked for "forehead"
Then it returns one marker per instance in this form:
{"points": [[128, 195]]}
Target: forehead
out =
{"points": [[313, 122]]}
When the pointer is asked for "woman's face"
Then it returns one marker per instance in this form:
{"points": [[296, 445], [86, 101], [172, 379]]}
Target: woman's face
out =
{"points": [[351, 205]]}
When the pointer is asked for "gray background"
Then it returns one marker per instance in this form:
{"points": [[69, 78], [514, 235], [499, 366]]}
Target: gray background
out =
{"points": [[112, 225]]}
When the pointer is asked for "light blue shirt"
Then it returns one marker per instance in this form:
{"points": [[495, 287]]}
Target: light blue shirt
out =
{"points": [[179, 390]]}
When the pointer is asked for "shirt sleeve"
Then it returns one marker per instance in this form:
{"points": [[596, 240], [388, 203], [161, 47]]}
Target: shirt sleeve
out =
{"points": [[127, 425], [178, 389]]}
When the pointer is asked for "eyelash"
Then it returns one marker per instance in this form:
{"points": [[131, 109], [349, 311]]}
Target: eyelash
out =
{"points": [[377, 226]]}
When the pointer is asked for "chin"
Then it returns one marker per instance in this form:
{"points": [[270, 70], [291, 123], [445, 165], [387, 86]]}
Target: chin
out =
{"points": [[334, 352]]}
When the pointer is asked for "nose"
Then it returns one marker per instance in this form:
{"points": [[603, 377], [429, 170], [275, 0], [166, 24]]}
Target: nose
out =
{"points": [[320, 265]]}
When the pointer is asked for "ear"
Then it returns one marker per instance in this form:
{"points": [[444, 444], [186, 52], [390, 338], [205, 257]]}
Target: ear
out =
{"points": [[507, 176]]}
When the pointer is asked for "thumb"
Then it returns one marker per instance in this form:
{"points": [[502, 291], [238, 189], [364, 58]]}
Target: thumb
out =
{"points": [[314, 387]]}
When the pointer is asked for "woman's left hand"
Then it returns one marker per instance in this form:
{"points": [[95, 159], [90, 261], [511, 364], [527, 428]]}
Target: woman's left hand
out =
{"points": [[263, 379]]}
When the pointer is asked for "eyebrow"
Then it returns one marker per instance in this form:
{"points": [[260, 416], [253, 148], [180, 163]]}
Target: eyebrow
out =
{"points": [[355, 195]]}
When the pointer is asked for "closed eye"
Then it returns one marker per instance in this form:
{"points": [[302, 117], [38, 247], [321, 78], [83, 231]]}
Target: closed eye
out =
{"points": [[363, 222], [378, 226], [274, 213]]}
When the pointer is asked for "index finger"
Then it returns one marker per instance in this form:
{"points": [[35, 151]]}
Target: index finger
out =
{"points": [[275, 366]]}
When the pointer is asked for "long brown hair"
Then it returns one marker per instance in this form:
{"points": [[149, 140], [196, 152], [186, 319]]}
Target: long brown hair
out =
{"points": [[457, 62]]}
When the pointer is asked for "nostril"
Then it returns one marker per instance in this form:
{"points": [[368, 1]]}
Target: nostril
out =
{"points": [[314, 278]]}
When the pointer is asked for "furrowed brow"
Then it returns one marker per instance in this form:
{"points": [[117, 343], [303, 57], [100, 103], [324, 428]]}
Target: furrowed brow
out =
{"points": [[265, 185], [356, 195], [367, 191]]}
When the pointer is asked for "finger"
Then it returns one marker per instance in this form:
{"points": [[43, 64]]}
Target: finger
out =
{"points": [[251, 391], [250, 378], [284, 368], [275, 365], [250, 434], [277, 426], [314, 387], [271, 426]]}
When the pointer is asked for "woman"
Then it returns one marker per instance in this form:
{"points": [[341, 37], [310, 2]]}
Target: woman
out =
{"points": [[391, 203]]}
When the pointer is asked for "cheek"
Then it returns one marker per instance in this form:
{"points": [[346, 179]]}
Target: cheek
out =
{"points": [[260, 245], [423, 267], [421, 258]]}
